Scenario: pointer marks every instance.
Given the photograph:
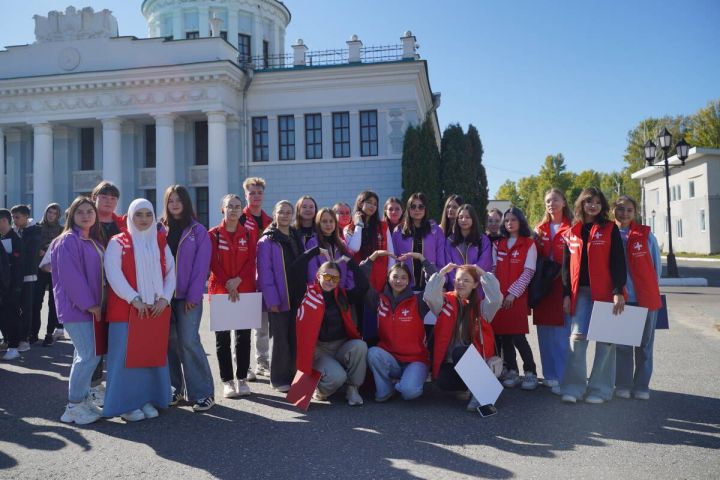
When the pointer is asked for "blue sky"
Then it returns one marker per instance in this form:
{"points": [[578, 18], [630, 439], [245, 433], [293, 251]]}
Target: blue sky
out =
{"points": [[535, 77]]}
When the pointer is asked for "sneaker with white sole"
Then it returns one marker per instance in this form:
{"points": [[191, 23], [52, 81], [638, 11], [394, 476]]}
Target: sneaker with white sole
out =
{"points": [[320, 397], [251, 377], [79, 413], [530, 381], [23, 347], [229, 390], [133, 416], [58, 334], [204, 404], [551, 383], [512, 379], [97, 395], [243, 389], [472, 405], [594, 399], [149, 411], [91, 406], [622, 393], [283, 388], [353, 396], [642, 395], [262, 371], [569, 399], [11, 354]]}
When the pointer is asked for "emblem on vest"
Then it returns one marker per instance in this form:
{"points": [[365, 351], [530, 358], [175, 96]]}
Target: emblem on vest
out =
{"points": [[243, 244]]}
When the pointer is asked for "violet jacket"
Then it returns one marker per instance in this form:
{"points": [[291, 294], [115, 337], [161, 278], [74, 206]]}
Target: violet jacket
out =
{"points": [[192, 263], [433, 246], [346, 276], [481, 257], [271, 278], [77, 276]]}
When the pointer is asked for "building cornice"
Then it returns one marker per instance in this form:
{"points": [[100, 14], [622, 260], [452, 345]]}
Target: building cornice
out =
{"points": [[694, 154]]}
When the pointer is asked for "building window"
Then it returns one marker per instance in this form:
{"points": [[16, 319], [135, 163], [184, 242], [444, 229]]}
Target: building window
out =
{"points": [[678, 226], [368, 133], [202, 205], [191, 35], [260, 139], [313, 135], [87, 149], [266, 54], [286, 130], [201, 143], [244, 50], [149, 146], [341, 134], [702, 220], [223, 35], [691, 189]]}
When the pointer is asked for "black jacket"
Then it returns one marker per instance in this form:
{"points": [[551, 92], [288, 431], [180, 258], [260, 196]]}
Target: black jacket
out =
{"points": [[11, 273], [31, 237]]}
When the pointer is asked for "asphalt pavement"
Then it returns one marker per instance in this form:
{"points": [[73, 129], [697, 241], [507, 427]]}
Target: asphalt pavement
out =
{"points": [[676, 434]]}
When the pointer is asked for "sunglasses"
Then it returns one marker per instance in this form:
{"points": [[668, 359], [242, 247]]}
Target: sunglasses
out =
{"points": [[329, 277], [417, 206]]}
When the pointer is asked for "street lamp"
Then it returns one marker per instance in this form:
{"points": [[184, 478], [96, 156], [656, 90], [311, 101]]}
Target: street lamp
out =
{"points": [[682, 148]]}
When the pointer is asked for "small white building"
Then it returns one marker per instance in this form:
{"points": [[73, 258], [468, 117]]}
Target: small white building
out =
{"points": [[694, 201], [210, 98]]}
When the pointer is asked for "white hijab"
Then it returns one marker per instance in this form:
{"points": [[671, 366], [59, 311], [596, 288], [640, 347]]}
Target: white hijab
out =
{"points": [[147, 254]]}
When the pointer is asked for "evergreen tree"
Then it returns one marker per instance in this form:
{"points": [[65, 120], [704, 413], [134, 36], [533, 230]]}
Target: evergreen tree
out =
{"points": [[480, 199], [421, 165], [457, 175]]}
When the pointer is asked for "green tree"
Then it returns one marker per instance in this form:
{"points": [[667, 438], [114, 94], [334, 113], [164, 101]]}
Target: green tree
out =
{"points": [[508, 191], [480, 201], [581, 181], [704, 126], [421, 165], [553, 174], [457, 173], [531, 198]]}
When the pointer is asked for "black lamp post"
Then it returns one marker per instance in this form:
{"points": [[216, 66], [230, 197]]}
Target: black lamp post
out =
{"points": [[682, 148]]}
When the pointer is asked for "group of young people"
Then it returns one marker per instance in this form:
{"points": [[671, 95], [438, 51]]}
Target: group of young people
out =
{"points": [[344, 290]]}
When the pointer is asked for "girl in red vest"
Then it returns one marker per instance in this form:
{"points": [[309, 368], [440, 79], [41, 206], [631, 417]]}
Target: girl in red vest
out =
{"points": [[515, 258], [593, 270], [553, 325], [232, 272], [141, 272], [462, 319], [644, 269], [400, 361], [327, 336], [392, 212]]}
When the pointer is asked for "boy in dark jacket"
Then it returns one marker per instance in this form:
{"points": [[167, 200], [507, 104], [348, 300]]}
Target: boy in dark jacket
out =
{"points": [[30, 239], [11, 282]]}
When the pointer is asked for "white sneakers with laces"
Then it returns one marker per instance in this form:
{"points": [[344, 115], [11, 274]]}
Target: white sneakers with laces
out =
{"points": [[530, 382], [243, 389], [79, 413], [229, 389]]}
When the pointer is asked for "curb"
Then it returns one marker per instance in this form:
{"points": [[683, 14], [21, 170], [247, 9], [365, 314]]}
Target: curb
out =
{"points": [[691, 259], [683, 282]]}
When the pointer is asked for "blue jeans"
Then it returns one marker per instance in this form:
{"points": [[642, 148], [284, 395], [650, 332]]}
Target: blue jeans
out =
{"points": [[602, 376], [82, 335], [554, 343], [643, 359], [189, 367], [386, 368]]}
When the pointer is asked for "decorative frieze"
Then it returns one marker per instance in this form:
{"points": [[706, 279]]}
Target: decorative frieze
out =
{"points": [[146, 178], [85, 180]]}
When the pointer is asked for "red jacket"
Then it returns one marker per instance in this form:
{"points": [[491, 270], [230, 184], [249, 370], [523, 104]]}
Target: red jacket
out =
{"points": [[508, 268], [641, 268], [233, 255], [481, 332], [309, 320], [402, 331], [251, 225], [118, 310], [549, 311], [378, 274], [598, 253]]}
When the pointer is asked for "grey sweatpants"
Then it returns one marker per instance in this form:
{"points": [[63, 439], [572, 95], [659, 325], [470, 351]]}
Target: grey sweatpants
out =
{"points": [[340, 362]]}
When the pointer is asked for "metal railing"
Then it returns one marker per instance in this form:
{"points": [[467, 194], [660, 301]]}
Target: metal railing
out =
{"points": [[322, 58]]}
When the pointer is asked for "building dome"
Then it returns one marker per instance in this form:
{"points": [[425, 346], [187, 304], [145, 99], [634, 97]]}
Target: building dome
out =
{"points": [[255, 27]]}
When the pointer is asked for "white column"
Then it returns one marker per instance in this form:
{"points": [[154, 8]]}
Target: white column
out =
{"points": [[164, 155], [178, 33], [42, 167], [2, 166], [257, 38], [204, 21], [275, 47], [112, 150], [218, 184], [232, 28]]}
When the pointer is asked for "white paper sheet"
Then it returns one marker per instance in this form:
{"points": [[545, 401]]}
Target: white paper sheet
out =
{"points": [[624, 329], [478, 377], [244, 314]]}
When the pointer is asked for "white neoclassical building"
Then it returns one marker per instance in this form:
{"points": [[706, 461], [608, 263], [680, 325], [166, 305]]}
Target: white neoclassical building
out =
{"points": [[210, 98]]}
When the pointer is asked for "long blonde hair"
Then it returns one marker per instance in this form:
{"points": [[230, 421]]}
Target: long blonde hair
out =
{"points": [[567, 213]]}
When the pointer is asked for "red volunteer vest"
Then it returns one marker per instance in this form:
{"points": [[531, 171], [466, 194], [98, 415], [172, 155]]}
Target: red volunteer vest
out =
{"points": [[378, 274], [598, 252], [308, 321], [641, 268], [232, 256], [402, 331], [549, 311], [481, 333], [508, 268], [118, 310]]}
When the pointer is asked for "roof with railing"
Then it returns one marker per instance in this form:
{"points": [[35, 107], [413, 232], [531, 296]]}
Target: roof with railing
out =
{"points": [[324, 58]]}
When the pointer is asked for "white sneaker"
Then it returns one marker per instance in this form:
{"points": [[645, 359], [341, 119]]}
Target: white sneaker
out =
{"points": [[251, 377], [551, 383], [473, 404], [149, 411], [11, 354], [79, 413], [353, 396], [97, 395], [262, 371], [594, 399], [530, 382], [229, 389], [58, 334], [320, 397], [512, 379], [243, 389], [92, 406], [283, 388], [622, 393], [642, 395], [569, 399], [133, 416], [23, 346]]}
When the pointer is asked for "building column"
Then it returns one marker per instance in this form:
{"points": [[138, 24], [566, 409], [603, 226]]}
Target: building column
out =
{"points": [[234, 147], [204, 21], [232, 28], [2, 167], [63, 175], [257, 38], [112, 150], [13, 173], [178, 33], [42, 166], [218, 184], [355, 134], [327, 135], [275, 47], [164, 155]]}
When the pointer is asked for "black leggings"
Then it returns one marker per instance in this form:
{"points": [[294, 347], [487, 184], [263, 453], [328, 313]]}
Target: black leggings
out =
{"points": [[448, 378], [224, 354], [43, 284], [509, 344]]}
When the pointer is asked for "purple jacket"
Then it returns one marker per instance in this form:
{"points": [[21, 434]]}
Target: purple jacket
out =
{"points": [[346, 276], [271, 278], [474, 256], [433, 246], [192, 263], [77, 276]]}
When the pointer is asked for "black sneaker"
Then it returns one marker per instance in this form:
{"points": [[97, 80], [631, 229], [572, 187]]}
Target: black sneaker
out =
{"points": [[176, 397], [48, 341], [33, 340], [204, 404]]}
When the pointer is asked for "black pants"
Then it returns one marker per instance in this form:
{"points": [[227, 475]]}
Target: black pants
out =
{"points": [[224, 354], [98, 373], [11, 321], [282, 357], [509, 343], [43, 284], [28, 289], [448, 378]]}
